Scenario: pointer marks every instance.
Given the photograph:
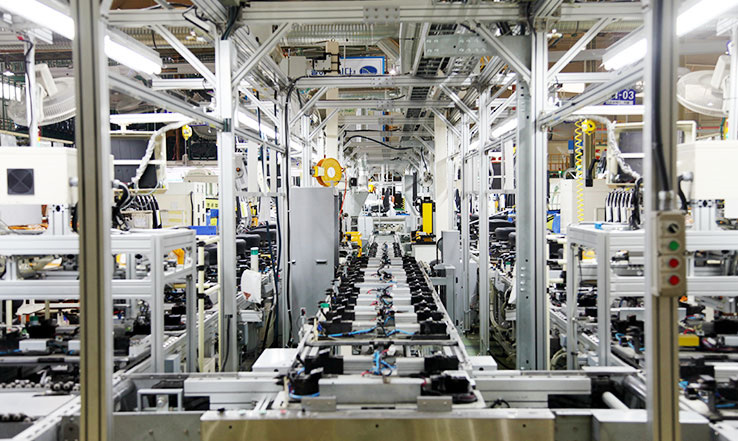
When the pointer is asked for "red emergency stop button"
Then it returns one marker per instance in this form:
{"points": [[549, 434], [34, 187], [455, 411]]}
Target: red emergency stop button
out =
{"points": [[673, 263], [674, 280]]}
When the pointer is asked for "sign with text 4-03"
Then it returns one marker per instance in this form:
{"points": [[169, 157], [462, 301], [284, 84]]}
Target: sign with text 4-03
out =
{"points": [[362, 66], [625, 97]]}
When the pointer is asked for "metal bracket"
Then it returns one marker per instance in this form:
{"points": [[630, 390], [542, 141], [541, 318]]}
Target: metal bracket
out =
{"points": [[434, 404], [319, 404], [382, 15], [69, 428], [439, 46]]}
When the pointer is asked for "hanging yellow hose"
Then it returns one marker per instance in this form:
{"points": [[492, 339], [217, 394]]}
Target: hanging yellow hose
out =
{"points": [[583, 127], [578, 154]]}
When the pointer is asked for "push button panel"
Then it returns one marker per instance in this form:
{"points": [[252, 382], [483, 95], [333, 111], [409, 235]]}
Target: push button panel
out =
{"points": [[672, 278]]}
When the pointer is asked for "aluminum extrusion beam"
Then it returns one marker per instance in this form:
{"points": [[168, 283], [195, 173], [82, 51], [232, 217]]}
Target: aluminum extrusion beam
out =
{"points": [[263, 50], [383, 104], [389, 120], [532, 166], [307, 108], [483, 242], [450, 126], [662, 110], [630, 11], [465, 211], [546, 8], [322, 124], [228, 354], [95, 257], [135, 89], [505, 53], [381, 81], [180, 83], [266, 111], [579, 46], [185, 53], [423, 34], [136, 18], [459, 103], [214, 9], [623, 78], [327, 12]]}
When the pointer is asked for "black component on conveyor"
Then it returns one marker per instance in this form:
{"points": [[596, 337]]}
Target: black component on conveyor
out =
{"points": [[426, 314], [438, 363], [306, 384], [335, 327], [454, 384], [331, 364], [432, 327]]}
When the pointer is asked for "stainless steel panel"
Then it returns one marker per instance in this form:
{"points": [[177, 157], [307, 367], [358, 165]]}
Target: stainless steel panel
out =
{"points": [[313, 248], [368, 425]]}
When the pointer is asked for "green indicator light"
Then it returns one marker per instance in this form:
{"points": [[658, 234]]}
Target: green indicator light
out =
{"points": [[673, 245]]}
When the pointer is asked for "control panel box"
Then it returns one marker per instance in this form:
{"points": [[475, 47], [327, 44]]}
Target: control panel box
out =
{"points": [[37, 175]]}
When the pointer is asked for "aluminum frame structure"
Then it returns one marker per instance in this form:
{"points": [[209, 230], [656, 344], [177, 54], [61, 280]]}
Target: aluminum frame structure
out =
{"points": [[423, 89]]}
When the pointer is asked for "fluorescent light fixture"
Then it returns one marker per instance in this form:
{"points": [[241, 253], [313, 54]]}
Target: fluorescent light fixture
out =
{"points": [[614, 110], [627, 51], [698, 14], [249, 121], [504, 127], [42, 14], [118, 46], [129, 52], [8, 73]]}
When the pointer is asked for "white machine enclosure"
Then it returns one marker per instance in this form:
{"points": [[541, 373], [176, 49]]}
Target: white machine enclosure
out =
{"points": [[36, 176]]}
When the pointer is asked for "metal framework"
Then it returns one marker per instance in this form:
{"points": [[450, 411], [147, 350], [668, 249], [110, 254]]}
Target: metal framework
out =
{"points": [[522, 62]]}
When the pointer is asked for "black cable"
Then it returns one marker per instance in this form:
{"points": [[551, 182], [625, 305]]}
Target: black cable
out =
{"points": [[28, 79], [377, 141], [682, 196], [635, 216], [153, 39], [226, 342], [657, 141], [232, 18], [192, 22], [287, 185]]}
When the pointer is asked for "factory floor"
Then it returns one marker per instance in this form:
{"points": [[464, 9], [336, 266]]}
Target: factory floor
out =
{"points": [[471, 341]]}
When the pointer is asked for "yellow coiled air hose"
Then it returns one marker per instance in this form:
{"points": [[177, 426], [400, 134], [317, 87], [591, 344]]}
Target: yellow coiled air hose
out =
{"points": [[583, 127], [578, 154]]}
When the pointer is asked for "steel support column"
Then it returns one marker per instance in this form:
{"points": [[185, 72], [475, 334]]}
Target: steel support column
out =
{"points": [[733, 100], [662, 350], [229, 356], [532, 166], [307, 152], [95, 257], [483, 242], [464, 212]]}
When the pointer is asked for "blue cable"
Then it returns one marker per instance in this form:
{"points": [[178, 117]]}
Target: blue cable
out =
{"points": [[298, 397], [725, 406], [362, 331], [395, 331]]}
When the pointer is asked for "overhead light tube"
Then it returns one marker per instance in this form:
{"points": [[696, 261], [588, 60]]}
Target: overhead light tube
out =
{"points": [[633, 47]]}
